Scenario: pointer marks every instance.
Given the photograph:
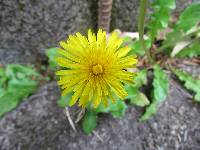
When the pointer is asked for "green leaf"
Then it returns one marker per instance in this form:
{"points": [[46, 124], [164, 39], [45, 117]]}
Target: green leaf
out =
{"points": [[160, 17], [190, 82], [102, 109], [170, 4], [150, 111], [189, 18], [10, 99], [51, 54], [132, 91], [89, 122], [127, 40], [20, 82], [193, 50], [16, 71], [139, 100], [159, 92], [172, 39], [160, 84], [7, 103], [137, 48], [136, 97], [64, 100], [118, 109], [141, 78]]}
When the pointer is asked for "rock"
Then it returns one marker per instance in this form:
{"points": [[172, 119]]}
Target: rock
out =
{"points": [[34, 25], [38, 123], [124, 15], [10, 56]]}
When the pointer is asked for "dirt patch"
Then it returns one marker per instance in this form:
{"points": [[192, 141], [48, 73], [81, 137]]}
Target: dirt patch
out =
{"points": [[39, 124]]}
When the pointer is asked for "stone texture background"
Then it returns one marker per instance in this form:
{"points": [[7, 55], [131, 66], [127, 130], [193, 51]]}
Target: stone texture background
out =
{"points": [[31, 26], [38, 124], [27, 27], [34, 25]]}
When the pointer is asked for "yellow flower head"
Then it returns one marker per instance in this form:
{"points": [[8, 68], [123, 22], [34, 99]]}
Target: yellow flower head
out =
{"points": [[94, 68]]}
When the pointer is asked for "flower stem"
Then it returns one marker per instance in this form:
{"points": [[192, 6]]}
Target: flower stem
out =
{"points": [[141, 20]]}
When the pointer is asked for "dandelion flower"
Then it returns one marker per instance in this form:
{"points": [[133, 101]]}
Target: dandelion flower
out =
{"points": [[94, 68]]}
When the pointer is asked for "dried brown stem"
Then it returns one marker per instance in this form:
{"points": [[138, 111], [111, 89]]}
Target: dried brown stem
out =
{"points": [[104, 14]]}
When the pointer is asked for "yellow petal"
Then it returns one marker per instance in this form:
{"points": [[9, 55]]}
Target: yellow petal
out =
{"points": [[69, 72], [77, 92], [123, 51]]}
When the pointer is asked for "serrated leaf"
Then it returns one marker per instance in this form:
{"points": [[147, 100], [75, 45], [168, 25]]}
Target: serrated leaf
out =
{"points": [[141, 78], [190, 82], [16, 71], [160, 17], [189, 18], [64, 100], [160, 84], [150, 111], [89, 122], [51, 54], [193, 50]]}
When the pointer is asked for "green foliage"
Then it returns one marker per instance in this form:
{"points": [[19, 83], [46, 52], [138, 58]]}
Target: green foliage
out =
{"points": [[158, 4], [137, 48], [64, 100], [160, 17], [134, 95], [16, 83], [127, 40], [193, 50], [160, 84], [189, 18], [159, 92], [186, 29], [89, 121], [117, 109], [141, 78], [190, 82], [139, 99], [150, 111], [51, 54]]}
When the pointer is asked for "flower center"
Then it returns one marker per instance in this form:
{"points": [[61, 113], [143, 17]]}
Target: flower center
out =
{"points": [[97, 69]]}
